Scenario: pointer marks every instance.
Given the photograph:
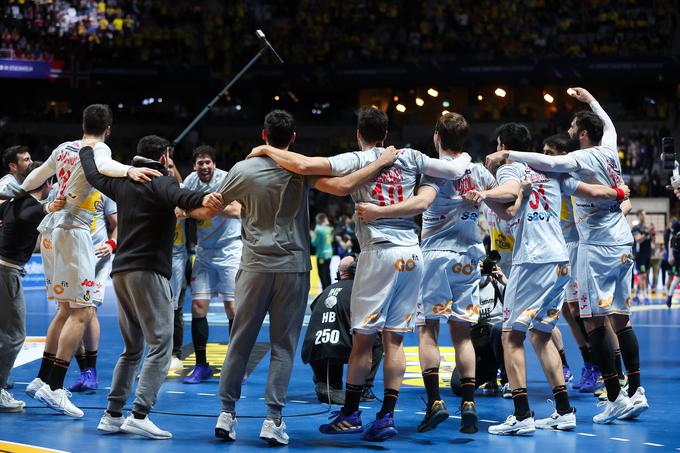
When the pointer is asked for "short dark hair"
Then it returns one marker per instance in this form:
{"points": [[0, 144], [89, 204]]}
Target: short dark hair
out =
{"points": [[560, 142], [152, 147], [9, 156], [320, 218], [515, 136], [280, 127], [372, 124], [96, 118], [453, 130], [591, 123], [204, 150]]}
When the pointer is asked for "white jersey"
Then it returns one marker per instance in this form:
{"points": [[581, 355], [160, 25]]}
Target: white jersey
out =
{"points": [[538, 237], [450, 223], [219, 231], [392, 185], [103, 207], [600, 222]]}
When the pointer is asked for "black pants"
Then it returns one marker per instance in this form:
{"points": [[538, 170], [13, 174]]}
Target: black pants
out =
{"points": [[333, 369], [489, 356], [324, 268]]}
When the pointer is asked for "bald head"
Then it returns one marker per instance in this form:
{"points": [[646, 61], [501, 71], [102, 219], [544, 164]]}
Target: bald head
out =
{"points": [[343, 268]]}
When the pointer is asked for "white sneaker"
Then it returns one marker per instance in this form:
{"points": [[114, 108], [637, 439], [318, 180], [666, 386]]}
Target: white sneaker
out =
{"points": [[35, 385], [640, 404], [226, 427], [144, 427], [505, 391], [176, 364], [513, 427], [563, 422], [58, 400], [275, 435], [620, 408], [8, 403], [109, 424]]}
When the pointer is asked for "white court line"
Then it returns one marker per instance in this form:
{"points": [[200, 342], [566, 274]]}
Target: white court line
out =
{"points": [[107, 388], [17, 382], [587, 434], [454, 416], [206, 394], [651, 444], [175, 392], [488, 421], [419, 413], [299, 401], [367, 407], [398, 410], [620, 439]]}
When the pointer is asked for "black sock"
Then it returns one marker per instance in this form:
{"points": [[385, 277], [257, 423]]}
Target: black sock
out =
{"points": [[138, 415], [467, 387], [199, 336], [229, 326], [630, 351], [352, 398], [91, 359], [619, 364], [57, 374], [581, 326], [431, 381], [585, 353], [82, 361], [389, 403], [561, 399], [521, 401], [563, 357], [114, 414], [604, 357], [45, 365]]}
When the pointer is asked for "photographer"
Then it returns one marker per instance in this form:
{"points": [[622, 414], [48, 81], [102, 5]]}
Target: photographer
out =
{"points": [[674, 260], [643, 234], [486, 334], [327, 344]]}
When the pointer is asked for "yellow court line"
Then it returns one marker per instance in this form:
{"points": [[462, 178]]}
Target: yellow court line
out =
{"points": [[13, 447]]}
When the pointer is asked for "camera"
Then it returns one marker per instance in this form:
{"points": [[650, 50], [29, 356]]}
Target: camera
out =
{"points": [[670, 159], [489, 263]]}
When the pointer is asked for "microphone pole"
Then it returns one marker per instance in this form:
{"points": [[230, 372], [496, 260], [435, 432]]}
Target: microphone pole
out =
{"points": [[212, 103]]}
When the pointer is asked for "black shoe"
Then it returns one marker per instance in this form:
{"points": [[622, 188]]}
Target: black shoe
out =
{"points": [[469, 424], [367, 396], [435, 415]]}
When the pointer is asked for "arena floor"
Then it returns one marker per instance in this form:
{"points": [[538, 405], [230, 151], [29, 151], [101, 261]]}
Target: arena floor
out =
{"points": [[658, 332]]}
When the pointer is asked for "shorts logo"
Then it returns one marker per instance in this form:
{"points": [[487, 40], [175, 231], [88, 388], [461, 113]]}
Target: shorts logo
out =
{"points": [[47, 244], [86, 297], [628, 302], [553, 313], [465, 269], [562, 270], [626, 258], [407, 265], [58, 289], [87, 283], [409, 317], [442, 309], [605, 303], [472, 310], [373, 317]]}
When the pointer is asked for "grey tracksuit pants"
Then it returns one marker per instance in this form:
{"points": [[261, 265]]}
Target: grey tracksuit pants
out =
{"points": [[145, 315], [284, 297], [12, 320]]}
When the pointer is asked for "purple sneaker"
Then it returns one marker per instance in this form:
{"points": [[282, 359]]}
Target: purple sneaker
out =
{"points": [[78, 385], [343, 424], [198, 373], [593, 382], [585, 372], [568, 376], [381, 429], [90, 380]]}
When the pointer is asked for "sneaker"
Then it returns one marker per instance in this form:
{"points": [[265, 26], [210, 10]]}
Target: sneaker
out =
{"points": [[568, 376], [564, 422], [330, 395], [490, 387], [640, 404], [469, 423], [343, 424], [198, 373], [35, 385], [176, 364], [274, 435], [505, 390], [592, 382], [381, 429], [77, 386], [601, 393], [367, 396], [109, 424], [226, 427], [8, 403], [91, 382], [620, 408], [144, 427], [435, 414], [513, 427], [585, 372], [58, 401]]}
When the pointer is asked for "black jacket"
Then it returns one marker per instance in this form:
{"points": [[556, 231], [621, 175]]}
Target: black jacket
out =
{"points": [[146, 217], [18, 232]]}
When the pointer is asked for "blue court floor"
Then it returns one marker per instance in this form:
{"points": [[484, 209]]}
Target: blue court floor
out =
{"points": [[658, 429]]}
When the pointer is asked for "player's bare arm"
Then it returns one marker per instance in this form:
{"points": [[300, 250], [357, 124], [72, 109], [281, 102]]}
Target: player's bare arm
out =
{"points": [[294, 162], [609, 131], [232, 210], [368, 212], [508, 192], [599, 191]]}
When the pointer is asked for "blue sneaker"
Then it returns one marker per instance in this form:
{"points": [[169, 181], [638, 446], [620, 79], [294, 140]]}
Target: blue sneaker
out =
{"points": [[198, 374], [381, 429], [568, 376], [585, 372], [593, 382], [90, 380], [343, 424], [78, 385]]}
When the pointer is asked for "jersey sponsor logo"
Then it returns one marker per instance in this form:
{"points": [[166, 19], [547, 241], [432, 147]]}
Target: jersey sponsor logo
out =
{"points": [[68, 156], [86, 297], [58, 289], [87, 283], [406, 265], [332, 298]]}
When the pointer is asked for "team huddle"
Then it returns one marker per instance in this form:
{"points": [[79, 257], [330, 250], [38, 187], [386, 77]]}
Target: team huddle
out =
{"points": [[556, 217]]}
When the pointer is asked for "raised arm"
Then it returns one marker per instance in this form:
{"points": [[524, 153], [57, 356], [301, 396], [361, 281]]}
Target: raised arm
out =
{"points": [[609, 132], [344, 185], [294, 162], [448, 169], [368, 212]]}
